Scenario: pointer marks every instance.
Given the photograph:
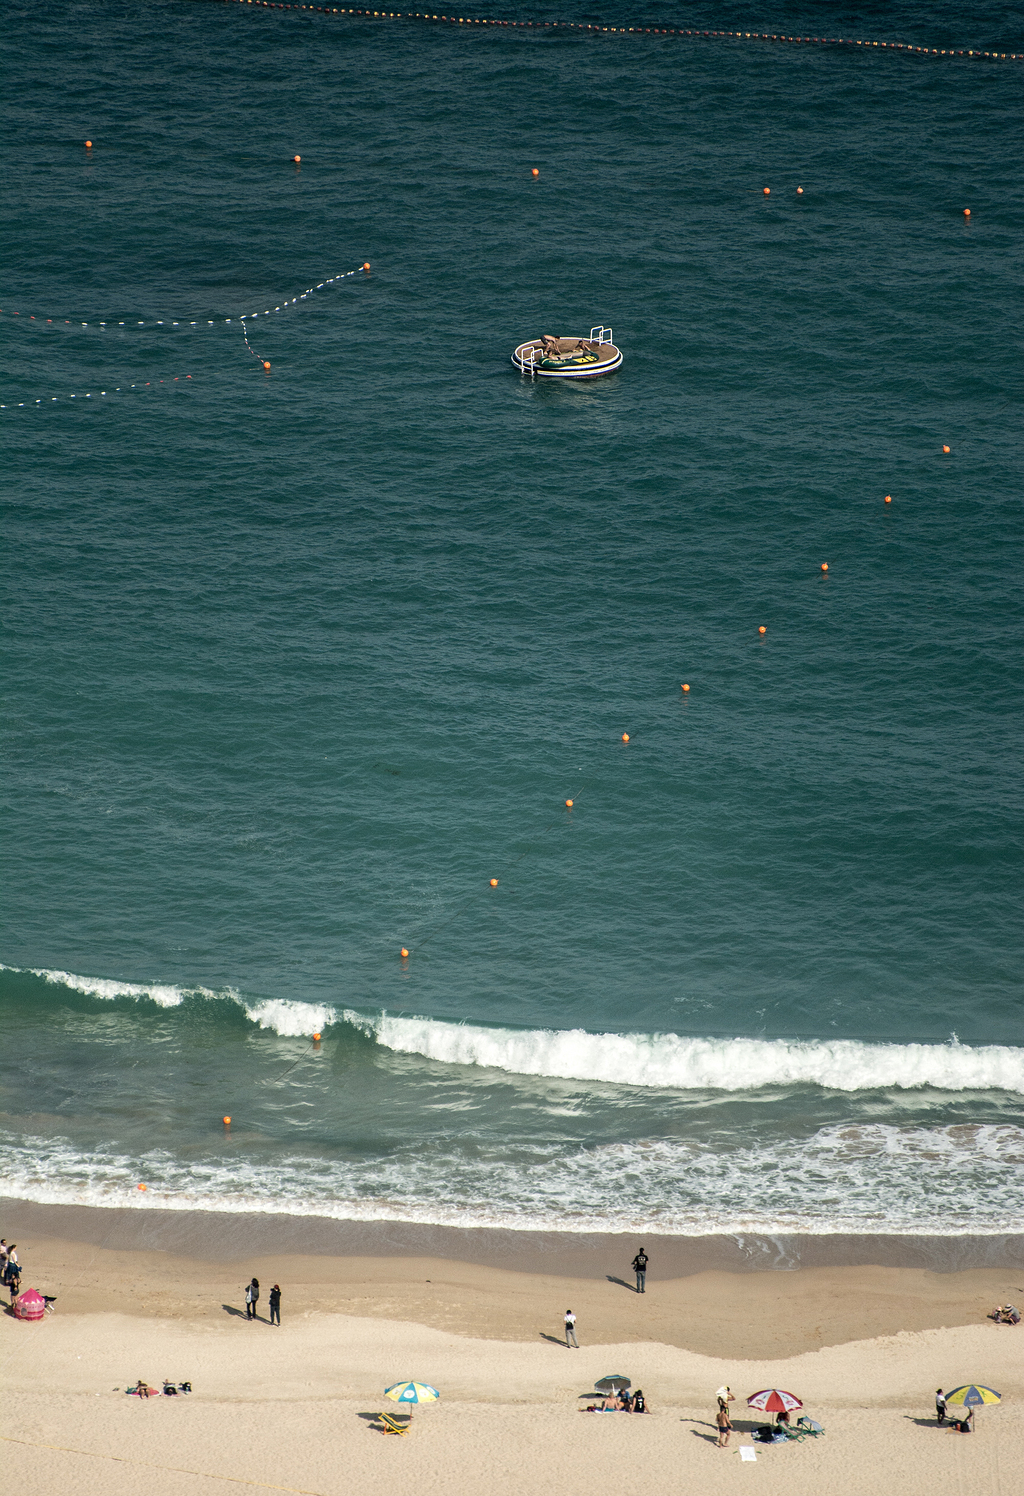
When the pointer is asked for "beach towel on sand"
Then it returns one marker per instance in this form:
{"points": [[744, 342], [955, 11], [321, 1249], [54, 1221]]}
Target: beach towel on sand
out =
{"points": [[746, 1453]]}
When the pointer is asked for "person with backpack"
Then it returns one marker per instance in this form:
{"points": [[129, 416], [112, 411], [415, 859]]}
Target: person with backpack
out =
{"points": [[252, 1295], [275, 1305], [570, 1331], [640, 1268]]}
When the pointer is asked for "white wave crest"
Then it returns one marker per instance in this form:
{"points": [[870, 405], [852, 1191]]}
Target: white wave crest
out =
{"points": [[281, 1016], [678, 1063], [161, 993]]}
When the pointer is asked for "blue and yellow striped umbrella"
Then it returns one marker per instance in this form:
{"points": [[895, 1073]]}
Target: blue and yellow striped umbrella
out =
{"points": [[412, 1392], [972, 1397]]}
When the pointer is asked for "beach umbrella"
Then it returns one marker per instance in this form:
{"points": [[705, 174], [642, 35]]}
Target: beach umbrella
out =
{"points": [[774, 1400], [412, 1392], [972, 1397], [613, 1383]]}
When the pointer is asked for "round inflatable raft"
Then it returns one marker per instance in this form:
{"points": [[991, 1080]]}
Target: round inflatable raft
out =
{"points": [[569, 358]]}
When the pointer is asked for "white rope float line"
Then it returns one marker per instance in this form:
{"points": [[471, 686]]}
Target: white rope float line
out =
{"points": [[181, 322], [763, 36], [285, 304], [93, 395]]}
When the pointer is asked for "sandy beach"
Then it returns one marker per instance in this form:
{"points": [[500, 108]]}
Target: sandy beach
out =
{"points": [[864, 1347]]}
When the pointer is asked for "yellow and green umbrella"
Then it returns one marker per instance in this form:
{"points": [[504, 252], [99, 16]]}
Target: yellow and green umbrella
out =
{"points": [[972, 1397], [412, 1392]]}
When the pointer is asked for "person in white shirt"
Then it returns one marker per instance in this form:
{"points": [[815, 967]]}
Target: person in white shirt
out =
{"points": [[570, 1331]]}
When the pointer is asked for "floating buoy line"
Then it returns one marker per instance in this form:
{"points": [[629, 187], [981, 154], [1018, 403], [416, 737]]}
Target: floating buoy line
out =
{"points": [[593, 27], [140, 385], [38, 322]]}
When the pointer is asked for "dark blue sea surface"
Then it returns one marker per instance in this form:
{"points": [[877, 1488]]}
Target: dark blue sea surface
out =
{"points": [[297, 660]]}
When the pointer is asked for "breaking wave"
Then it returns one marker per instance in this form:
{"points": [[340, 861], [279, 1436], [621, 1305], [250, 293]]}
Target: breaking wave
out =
{"points": [[660, 1061], [676, 1062]]}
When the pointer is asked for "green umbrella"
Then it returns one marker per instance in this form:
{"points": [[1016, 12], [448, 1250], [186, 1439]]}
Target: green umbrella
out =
{"points": [[613, 1383]]}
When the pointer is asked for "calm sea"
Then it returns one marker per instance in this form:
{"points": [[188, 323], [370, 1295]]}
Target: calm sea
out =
{"points": [[296, 662]]}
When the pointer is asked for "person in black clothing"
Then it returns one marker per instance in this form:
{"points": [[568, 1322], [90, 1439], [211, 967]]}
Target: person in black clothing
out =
{"points": [[640, 1268], [252, 1295], [275, 1305]]}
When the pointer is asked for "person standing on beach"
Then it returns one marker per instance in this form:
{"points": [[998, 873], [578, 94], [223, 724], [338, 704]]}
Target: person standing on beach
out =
{"points": [[724, 1425], [940, 1406], [640, 1268], [275, 1305], [252, 1295], [570, 1331]]}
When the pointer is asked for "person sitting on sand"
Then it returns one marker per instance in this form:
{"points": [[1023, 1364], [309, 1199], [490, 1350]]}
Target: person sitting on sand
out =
{"points": [[625, 1402], [724, 1425], [142, 1389], [964, 1424], [639, 1402]]}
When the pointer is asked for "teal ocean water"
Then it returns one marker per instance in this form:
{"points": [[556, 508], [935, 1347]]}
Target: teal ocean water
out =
{"points": [[296, 662]]}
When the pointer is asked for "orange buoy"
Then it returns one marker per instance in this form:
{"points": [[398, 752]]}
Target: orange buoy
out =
{"points": [[140, 1186], [945, 449], [316, 1038], [569, 804], [296, 159], [494, 882], [266, 363], [535, 172], [625, 737], [685, 686], [366, 266], [762, 629], [226, 1121], [88, 145], [824, 566], [888, 498], [799, 192], [404, 951], [967, 212]]}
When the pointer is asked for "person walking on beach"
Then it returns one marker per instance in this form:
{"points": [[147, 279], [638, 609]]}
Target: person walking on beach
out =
{"points": [[724, 1425], [640, 1268], [940, 1406], [570, 1331], [252, 1295], [275, 1305]]}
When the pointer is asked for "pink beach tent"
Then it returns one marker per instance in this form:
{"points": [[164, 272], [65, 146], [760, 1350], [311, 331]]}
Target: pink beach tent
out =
{"points": [[29, 1305]]}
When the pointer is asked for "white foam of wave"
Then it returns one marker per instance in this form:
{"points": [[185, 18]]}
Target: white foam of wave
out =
{"points": [[679, 1063], [948, 1181], [291, 1019]]}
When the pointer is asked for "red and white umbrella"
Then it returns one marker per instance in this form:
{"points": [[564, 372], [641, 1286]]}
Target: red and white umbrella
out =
{"points": [[774, 1400]]}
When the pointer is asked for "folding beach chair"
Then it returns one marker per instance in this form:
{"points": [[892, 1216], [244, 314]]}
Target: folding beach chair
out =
{"points": [[392, 1425]]}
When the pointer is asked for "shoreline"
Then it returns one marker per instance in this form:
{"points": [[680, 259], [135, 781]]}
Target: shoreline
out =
{"points": [[224, 1236]]}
